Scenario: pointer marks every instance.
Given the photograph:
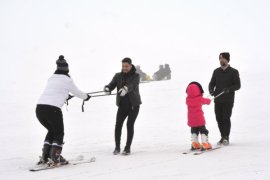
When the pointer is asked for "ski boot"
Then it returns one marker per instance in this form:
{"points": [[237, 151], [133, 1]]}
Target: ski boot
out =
{"points": [[55, 156], [205, 144], [195, 145], [45, 153]]}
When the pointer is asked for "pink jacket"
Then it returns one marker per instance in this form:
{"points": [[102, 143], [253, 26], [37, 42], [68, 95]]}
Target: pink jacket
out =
{"points": [[194, 102]]}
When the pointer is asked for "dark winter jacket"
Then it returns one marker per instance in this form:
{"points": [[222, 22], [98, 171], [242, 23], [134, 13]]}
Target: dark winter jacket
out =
{"points": [[228, 78], [131, 80]]}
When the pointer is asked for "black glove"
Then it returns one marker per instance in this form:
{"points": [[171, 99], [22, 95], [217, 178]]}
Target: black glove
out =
{"points": [[88, 97], [107, 90], [69, 97], [211, 92], [226, 90]]}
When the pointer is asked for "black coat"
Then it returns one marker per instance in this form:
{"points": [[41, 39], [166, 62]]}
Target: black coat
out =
{"points": [[228, 78], [131, 80]]}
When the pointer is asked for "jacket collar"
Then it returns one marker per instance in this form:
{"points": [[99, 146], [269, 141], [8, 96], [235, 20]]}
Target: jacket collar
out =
{"points": [[131, 72], [62, 72]]}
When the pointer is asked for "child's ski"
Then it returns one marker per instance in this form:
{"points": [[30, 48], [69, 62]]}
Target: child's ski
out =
{"points": [[205, 151], [190, 151], [72, 162]]}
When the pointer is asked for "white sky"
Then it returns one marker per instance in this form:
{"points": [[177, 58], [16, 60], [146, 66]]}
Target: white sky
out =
{"points": [[94, 35]]}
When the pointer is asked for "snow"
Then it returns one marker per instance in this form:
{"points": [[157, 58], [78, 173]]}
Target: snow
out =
{"points": [[94, 38], [161, 135]]}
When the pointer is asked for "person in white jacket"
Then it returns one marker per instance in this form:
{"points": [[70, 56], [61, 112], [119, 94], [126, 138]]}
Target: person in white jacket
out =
{"points": [[49, 114]]}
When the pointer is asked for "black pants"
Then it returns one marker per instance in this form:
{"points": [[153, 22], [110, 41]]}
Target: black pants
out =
{"points": [[122, 113], [52, 119], [201, 130], [223, 116]]}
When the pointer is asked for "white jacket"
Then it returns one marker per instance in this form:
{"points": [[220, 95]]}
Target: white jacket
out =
{"points": [[57, 90]]}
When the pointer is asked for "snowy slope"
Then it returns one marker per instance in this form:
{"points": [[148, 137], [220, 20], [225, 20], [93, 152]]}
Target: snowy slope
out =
{"points": [[161, 134], [94, 36]]}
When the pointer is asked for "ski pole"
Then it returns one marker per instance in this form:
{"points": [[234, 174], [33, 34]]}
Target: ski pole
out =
{"points": [[103, 95], [96, 96], [71, 96], [218, 95], [95, 92]]}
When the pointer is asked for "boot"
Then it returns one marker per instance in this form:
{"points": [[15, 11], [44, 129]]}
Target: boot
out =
{"points": [[226, 141], [195, 142], [220, 141], [126, 151], [116, 151], [205, 144], [55, 156], [45, 153]]}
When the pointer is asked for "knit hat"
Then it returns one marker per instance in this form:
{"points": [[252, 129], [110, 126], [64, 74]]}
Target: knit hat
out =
{"points": [[225, 55], [62, 64]]}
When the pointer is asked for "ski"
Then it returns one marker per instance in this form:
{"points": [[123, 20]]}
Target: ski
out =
{"points": [[71, 162], [190, 151], [205, 151]]}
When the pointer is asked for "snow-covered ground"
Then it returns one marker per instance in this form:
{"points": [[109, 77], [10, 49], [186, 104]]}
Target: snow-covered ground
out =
{"points": [[94, 36], [161, 135]]}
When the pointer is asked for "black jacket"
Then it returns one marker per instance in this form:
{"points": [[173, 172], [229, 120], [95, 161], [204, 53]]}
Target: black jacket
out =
{"points": [[131, 80], [228, 78]]}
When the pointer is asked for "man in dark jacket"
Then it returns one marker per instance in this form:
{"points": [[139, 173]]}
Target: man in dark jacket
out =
{"points": [[128, 100], [224, 79]]}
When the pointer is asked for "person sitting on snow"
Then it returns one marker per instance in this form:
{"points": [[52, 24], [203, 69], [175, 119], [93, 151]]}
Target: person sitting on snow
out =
{"points": [[143, 75], [167, 72], [159, 75], [196, 120]]}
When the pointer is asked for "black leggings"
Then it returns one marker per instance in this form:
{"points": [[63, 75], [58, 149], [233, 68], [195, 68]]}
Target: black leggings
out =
{"points": [[122, 114], [223, 116], [52, 119], [200, 129]]}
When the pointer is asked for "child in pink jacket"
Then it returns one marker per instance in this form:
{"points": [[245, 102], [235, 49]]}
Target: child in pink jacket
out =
{"points": [[196, 120]]}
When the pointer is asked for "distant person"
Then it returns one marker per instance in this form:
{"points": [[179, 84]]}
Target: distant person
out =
{"points": [[167, 72], [143, 76], [196, 119], [49, 114], [128, 100], [159, 75], [224, 79]]}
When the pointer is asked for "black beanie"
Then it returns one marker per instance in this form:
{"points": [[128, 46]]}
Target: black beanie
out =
{"points": [[225, 55], [62, 64]]}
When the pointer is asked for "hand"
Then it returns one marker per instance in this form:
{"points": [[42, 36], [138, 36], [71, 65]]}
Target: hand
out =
{"points": [[107, 90], [88, 97], [123, 91], [69, 97], [211, 92], [226, 90]]}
